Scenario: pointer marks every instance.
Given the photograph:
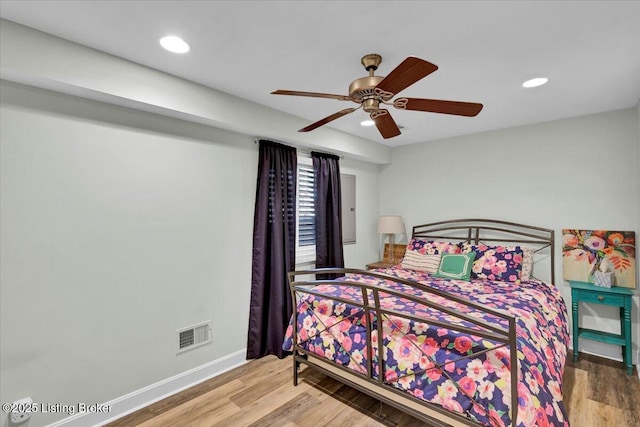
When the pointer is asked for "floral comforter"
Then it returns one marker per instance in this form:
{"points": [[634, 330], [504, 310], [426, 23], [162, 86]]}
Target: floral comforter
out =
{"points": [[427, 361]]}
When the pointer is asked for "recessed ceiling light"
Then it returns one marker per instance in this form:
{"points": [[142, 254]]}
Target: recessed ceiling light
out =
{"points": [[367, 123], [538, 81], [174, 44]]}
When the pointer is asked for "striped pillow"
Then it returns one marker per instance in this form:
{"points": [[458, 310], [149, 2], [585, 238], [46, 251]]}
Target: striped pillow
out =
{"points": [[421, 262]]}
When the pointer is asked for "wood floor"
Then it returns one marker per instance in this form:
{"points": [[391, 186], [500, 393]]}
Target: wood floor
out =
{"points": [[597, 393]]}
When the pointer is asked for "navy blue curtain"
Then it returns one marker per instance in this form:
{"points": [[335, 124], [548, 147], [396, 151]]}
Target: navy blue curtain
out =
{"points": [[328, 211], [274, 242]]}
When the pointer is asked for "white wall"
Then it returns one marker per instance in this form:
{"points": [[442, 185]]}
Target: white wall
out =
{"points": [[574, 173], [119, 227]]}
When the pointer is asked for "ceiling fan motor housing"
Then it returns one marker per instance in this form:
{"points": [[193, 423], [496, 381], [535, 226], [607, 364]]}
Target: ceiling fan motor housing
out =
{"points": [[363, 89]]}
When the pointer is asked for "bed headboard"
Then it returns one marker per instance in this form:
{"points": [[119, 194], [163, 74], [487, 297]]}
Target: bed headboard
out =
{"points": [[491, 232]]}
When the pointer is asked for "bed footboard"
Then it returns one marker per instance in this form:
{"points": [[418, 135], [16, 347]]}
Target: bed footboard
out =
{"points": [[366, 296]]}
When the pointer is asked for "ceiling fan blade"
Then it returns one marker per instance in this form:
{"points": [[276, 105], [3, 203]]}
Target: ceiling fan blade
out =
{"points": [[385, 124], [407, 73], [311, 94], [469, 109], [328, 119]]}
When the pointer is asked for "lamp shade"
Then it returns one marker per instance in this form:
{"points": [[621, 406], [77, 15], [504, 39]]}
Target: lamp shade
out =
{"points": [[391, 224]]}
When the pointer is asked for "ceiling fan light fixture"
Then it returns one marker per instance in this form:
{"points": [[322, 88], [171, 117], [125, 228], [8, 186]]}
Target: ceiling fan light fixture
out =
{"points": [[367, 123], [174, 44], [538, 81]]}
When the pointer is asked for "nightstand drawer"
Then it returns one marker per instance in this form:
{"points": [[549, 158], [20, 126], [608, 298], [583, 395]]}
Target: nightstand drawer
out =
{"points": [[601, 298]]}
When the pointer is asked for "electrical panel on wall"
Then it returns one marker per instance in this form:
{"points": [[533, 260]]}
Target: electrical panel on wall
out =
{"points": [[348, 184]]}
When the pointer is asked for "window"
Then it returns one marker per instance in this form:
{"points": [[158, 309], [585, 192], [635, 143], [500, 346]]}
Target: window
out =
{"points": [[306, 219]]}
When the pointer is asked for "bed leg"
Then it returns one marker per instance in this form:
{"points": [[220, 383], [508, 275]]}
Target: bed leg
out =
{"points": [[296, 368]]}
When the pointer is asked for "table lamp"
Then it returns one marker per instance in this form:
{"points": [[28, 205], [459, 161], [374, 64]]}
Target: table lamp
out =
{"points": [[391, 225]]}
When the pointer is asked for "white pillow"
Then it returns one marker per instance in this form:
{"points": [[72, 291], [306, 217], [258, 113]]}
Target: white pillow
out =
{"points": [[421, 262]]}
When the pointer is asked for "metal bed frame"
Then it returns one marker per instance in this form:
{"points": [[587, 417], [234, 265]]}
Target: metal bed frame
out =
{"points": [[461, 230]]}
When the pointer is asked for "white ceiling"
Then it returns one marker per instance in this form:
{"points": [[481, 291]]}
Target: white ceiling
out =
{"points": [[590, 51]]}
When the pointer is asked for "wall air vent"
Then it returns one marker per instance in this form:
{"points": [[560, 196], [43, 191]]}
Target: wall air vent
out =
{"points": [[194, 336]]}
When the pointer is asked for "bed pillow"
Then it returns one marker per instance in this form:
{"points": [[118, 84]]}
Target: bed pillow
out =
{"points": [[414, 260], [527, 264], [502, 263], [430, 247], [456, 266]]}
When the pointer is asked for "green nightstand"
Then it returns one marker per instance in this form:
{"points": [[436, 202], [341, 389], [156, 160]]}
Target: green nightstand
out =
{"points": [[615, 297]]}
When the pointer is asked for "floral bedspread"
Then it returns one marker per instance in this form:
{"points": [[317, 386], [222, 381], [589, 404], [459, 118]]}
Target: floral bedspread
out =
{"points": [[427, 361]]}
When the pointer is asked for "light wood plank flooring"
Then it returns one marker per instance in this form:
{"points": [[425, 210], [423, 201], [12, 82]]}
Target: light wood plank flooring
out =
{"points": [[597, 393]]}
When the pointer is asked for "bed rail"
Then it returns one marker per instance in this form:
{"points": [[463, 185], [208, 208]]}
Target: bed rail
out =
{"points": [[369, 303]]}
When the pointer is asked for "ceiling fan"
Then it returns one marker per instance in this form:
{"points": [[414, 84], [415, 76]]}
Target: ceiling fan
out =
{"points": [[371, 91]]}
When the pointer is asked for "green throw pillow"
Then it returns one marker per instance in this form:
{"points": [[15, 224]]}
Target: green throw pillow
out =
{"points": [[456, 266]]}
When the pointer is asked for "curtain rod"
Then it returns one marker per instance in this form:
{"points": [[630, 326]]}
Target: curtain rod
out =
{"points": [[300, 150]]}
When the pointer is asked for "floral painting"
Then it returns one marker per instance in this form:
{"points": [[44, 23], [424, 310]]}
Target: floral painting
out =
{"points": [[587, 251]]}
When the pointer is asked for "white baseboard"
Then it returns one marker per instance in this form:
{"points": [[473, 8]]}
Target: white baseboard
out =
{"points": [[604, 356], [138, 399], [608, 351]]}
